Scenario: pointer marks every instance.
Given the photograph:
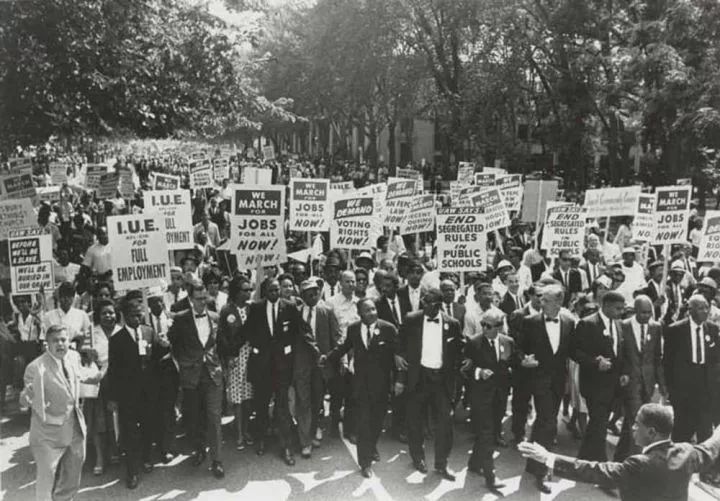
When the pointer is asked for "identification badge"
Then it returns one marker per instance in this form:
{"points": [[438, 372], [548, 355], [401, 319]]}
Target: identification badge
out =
{"points": [[288, 350], [142, 347], [477, 373]]}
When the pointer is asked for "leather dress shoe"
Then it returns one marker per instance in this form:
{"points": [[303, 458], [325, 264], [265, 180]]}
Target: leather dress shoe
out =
{"points": [[376, 456], [306, 452], [288, 457], [260, 448], [167, 457], [217, 469], [493, 484], [147, 467], [132, 481], [475, 469], [445, 474], [366, 472], [420, 466], [542, 486], [199, 457]]}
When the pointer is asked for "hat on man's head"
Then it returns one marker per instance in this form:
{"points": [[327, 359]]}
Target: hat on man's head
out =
{"points": [[628, 250], [365, 255], [708, 282], [503, 264], [677, 266], [310, 283], [655, 264]]}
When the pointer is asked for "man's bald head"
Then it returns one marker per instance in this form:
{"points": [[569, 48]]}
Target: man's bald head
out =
{"points": [[643, 309]]}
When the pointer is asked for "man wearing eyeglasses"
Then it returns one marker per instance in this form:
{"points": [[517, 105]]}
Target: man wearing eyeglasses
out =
{"points": [[487, 365], [431, 342]]}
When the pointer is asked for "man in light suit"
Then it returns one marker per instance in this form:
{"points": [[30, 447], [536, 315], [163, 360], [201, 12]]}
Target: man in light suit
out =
{"points": [[57, 426], [642, 366], [431, 343], [661, 472]]}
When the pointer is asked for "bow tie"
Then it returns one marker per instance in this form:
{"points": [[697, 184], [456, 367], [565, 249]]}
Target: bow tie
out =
{"points": [[202, 315], [553, 320], [435, 320]]}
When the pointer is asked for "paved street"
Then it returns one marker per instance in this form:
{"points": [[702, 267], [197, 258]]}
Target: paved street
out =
{"points": [[331, 474]]}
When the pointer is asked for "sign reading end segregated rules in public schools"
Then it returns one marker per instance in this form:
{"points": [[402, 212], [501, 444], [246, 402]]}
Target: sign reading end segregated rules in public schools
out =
{"points": [[461, 239]]}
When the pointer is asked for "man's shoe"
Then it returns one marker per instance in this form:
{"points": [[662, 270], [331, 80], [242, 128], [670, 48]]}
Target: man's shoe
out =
{"points": [[542, 486], [315, 443], [288, 457], [132, 481], [260, 448], [475, 469], [167, 457], [366, 472], [420, 466], [445, 474], [217, 469], [306, 452], [376, 456], [199, 457], [147, 467], [493, 484], [402, 438]]}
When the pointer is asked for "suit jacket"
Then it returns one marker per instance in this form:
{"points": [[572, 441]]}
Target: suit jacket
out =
{"points": [[642, 477], [675, 303], [652, 291], [508, 304], [182, 305], [586, 269], [589, 342], [54, 400], [404, 297], [190, 354], [537, 269], [272, 356], [327, 336], [232, 330], [458, 313], [688, 382], [384, 311], [127, 369], [643, 365], [515, 321], [573, 286], [482, 355], [374, 364], [551, 371], [411, 339]]}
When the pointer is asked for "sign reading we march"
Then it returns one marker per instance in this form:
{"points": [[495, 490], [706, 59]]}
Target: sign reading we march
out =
{"points": [[309, 205], [673, 211], [257, 219]]}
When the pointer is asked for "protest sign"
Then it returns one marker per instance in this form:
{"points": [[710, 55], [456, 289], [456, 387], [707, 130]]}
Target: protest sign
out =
{"points": [[466, 192], [48, 194], [511, 190], [461, 239], [16, 214], [126, 185], [378, 191], [408, 173], [256, 175], [421, 216], [310, 205], [257, 221], [397, 200], [355, 224], [496, 171], [465, 173], [221, 169], [174, 205], [536, 194], [93, 172], [139, 251], [684, 181], [494, 209], [608, 202], [58, 173], [710, 239], [483, 179], [165, 182], [19, 165], [268, 152], [201, 177], [644, 224], [31, 261], [108, 185], [342, 187], [455, 189], [17, 186], [564, 229], [672, 210]]}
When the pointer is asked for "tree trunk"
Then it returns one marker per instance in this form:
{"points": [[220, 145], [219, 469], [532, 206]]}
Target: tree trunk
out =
{"points": [[391, 147]]}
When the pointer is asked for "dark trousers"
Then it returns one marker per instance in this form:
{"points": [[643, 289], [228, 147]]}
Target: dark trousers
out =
{"points": [[631, 404], [135, 416], [547, 404], [263, 394], [309, 392], [486, 404], [521, 395], [341, 397], [370, 414], [204, 404], [431, 393], [594, 444], [167, 397], [691, 419]]}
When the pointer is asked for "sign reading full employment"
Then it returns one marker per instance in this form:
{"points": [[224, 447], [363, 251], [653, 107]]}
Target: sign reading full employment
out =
{"points": [[564, 229], [31, 261], [672, 211], [397, 200], [139, 251], [710, 240], [309, 205], [256, 225], [174, 205], [355, 224], [493, 206], [15, 214], [645, 222], [421, 216], [607, 202], [461, 239]]}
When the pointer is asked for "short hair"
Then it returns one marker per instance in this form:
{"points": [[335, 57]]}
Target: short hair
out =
{"points": [[286, 276], [613, 297], [556, 290], [382, 240], [99, 305], [432, 293], [194, 285], [362, 301], [392, 276], [53, 330], [659, 417], [361, 271], [17, 298], [103, 285], [210, 276], [481, 284], [66, 289], [236, 285], [415, 264], [545, 281]]}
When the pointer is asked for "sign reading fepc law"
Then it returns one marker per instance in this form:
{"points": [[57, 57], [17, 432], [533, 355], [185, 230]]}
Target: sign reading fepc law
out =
{"points": [[310, 205], [461, 239], [139, 251], [397, 200], [355, 223], [607, 202], [644, 225], [511, 190], [15, 214], [564, 229], [30, 261], [174, 205], [672, 211], [257, 234], [710, 240]]}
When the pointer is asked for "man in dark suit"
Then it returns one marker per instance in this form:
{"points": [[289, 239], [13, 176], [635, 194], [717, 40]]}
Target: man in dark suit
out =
{"points": [[196, 347], [432, 344], [544, 265], [311, 382], [374, 343], [132, 390], [653, 290], [409, 294], [511, 300], [592, 268], [276, 332], [661, 472], [544, 351], [597, 348], [449, 306], [642, 366], [488, 360], [567, 276], [675, 292], [689, 354]]}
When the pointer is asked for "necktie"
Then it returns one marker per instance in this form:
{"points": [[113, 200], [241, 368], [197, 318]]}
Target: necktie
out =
{"points": [[395, 311], [64, 369], [332, 290], [517, 303], [369, 334], [492, 345], [552, 320], [698, 345], [309, 316], [274, 318], [434, 320], [642, 336], [201, 315]]}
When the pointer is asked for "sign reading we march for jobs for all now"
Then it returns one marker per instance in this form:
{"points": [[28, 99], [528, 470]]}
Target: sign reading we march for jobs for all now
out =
{"points": [[309, 205], [257, 222], [672, 211]]}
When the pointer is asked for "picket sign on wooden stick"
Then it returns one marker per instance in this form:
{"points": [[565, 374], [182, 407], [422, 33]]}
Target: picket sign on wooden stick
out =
{"points": [[666, 265], [538, 216]]}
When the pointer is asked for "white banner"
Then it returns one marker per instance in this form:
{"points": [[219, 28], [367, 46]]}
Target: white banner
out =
{"points": [[257, 222], [174, 205], [421, 216], [511, 189], [15, 214], [310, 204], [608, 202], [493, 206], [461, 239], [397, 200]]}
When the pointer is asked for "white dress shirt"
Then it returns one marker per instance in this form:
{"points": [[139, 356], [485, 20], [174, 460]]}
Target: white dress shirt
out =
{"points": [[694, 340], [638, 332], [432, 344], [270, 315], [202, 324], [553, 332], [313, 320], [414, 295], [364, 329], [75, 321], [29, 328]]}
